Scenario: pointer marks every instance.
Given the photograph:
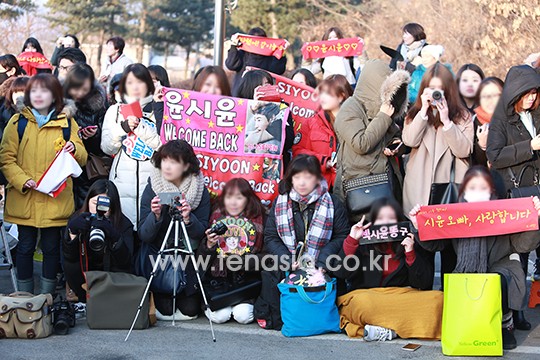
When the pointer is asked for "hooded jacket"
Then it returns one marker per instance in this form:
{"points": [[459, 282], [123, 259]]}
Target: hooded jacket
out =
{"points": [[509, 142], [129, 175], [363, 131], [28, 160]]}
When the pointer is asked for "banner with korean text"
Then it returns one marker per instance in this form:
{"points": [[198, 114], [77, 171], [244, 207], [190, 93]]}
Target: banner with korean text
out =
{"points": [[232, 137]]}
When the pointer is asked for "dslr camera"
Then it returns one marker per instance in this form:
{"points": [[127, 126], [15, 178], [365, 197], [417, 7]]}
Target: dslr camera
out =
{"points": [[96, 239], [63, 317], [218, 228]]}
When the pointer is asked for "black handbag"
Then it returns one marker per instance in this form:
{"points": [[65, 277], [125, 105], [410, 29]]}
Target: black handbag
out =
{"points": [[526, 191], [163, 281], [222, 293], [445, 193], [362, 192]]}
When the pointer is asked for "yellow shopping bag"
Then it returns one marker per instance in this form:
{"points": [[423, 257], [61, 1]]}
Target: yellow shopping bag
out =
{"points": [[472, 315]]}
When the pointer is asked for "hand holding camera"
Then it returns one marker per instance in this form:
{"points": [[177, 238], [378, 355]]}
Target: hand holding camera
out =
{"points": [[80, 224], [213, 234]]}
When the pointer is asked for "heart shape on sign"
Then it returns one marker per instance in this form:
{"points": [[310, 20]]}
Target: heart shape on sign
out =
{"points": [[309, 48], [354, 46], [316, 48], [347, 46]]}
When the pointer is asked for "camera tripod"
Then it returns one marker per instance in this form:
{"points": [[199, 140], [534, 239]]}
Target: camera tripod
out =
{"points": [[176, 221]]}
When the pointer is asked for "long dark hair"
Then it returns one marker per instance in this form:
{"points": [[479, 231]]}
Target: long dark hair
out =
{"points": [[456, 110], [9, 61], [250, 80], [300, 163], [104, 186], [311, 80], [477, 171], [473, 67], [76, 77], [254, 208], [487, 81], [161, 75], [400, 216], [34, 42], [140, 72]]}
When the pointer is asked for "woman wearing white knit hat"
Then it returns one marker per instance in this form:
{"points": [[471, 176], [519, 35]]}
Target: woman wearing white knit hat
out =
{"points": [[431, 54]]}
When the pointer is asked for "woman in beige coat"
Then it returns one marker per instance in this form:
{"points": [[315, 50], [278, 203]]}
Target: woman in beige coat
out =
{"points": [[437, 132]]}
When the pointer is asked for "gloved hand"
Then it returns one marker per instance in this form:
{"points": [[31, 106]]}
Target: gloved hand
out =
{"points": [[79, 224]]}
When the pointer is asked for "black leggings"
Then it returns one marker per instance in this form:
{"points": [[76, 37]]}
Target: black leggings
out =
{"points": [[189, 305], [75, 278]]}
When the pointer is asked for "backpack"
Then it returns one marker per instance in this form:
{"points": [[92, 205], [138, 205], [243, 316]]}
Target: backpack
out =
{"points": [[23, 122], [21, 127]]}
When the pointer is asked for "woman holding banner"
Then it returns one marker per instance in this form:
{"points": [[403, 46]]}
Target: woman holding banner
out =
{"points": [[316, 137], [237, 60], [514, 141], [495, 254], [334, 65], [123, 135], [374, 287]]}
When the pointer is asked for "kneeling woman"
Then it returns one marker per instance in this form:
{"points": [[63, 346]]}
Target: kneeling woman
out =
{"points": [[494, 254], [82, 254], [385, 298], [241, 210], [176, 171]]}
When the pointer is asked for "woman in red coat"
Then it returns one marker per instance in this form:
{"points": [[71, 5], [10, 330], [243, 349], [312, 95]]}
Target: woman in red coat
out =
{"points": [[316, 136]]}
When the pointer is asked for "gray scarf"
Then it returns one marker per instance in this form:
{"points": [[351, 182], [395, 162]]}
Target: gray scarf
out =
{"points": [[472, 255], [191, 187]]}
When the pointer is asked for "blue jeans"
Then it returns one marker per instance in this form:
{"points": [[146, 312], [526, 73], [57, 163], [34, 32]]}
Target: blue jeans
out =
{"points": [[50, 245]]}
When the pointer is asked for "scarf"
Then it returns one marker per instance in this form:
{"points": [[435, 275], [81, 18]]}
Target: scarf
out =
{"points": [[527, 120], [320, 228], [472, 255], [191, 187], [409, 52], [42, 119], [482, 116]]}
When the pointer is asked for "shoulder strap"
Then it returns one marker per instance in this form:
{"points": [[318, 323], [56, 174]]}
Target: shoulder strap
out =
{"points": [[21, 126], [23, 122]]}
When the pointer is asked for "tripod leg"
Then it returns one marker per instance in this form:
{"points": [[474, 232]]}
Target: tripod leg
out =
{"points": [[194, 262], [175, 266], [152, 274], [8, 255]]}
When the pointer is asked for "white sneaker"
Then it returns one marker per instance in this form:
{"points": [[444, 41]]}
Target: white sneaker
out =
{"points": [[377, 333], [177, 316]]}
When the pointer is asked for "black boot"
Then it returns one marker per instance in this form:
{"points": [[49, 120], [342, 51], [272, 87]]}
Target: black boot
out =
{"points": [[508, 338], [520, 322]]}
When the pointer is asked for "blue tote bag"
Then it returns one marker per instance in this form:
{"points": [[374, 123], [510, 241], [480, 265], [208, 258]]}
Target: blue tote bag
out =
{"points": [[308, 311]]}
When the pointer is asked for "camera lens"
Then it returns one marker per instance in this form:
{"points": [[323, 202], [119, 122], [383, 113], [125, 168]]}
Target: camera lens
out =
{"points": [[96, 241], [437, 95]]}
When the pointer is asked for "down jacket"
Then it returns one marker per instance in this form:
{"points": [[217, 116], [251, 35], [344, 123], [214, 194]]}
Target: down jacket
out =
{"points": [[28, 160], [129, 175]]}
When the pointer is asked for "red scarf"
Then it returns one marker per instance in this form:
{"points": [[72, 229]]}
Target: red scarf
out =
{"points": [[482, 116]]}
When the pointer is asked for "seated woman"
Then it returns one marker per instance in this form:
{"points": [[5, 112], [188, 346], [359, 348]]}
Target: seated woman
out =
{"points": [[241, 210], [494, 254], [176, 170], [381, 285], [303, 212], [114, 254]]}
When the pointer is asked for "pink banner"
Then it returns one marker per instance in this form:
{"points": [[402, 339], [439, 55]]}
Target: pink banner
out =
{"points": [[339, 47], [302, 99], [232, 137]]}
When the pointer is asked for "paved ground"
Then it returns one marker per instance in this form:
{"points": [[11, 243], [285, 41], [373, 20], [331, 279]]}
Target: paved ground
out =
{"points": [[192, 340]]}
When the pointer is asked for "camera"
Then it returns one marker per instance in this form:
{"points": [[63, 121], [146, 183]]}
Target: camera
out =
{"points": [[218, 228], [437, 96], [63, 317], [96, 239]]}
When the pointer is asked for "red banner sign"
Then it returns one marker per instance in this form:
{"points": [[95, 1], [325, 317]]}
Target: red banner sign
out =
{"points": [[232, 137], [468, 220], [340, 47], [262, 45], [302, 99]]}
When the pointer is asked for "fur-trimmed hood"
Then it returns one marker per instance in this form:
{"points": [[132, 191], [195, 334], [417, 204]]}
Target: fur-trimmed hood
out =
{"points": [[4, 87], [69, 107], [378, 84], [94, 101]]}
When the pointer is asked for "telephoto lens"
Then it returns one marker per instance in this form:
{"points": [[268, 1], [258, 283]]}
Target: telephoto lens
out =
{"points": [[96, 241]]}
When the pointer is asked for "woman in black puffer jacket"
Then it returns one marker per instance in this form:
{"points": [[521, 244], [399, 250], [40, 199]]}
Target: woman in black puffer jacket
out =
{"points": [[88, 101]]}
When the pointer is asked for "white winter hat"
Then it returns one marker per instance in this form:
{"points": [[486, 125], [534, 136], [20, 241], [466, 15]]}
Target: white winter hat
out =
{"points": [[434, 50]]}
